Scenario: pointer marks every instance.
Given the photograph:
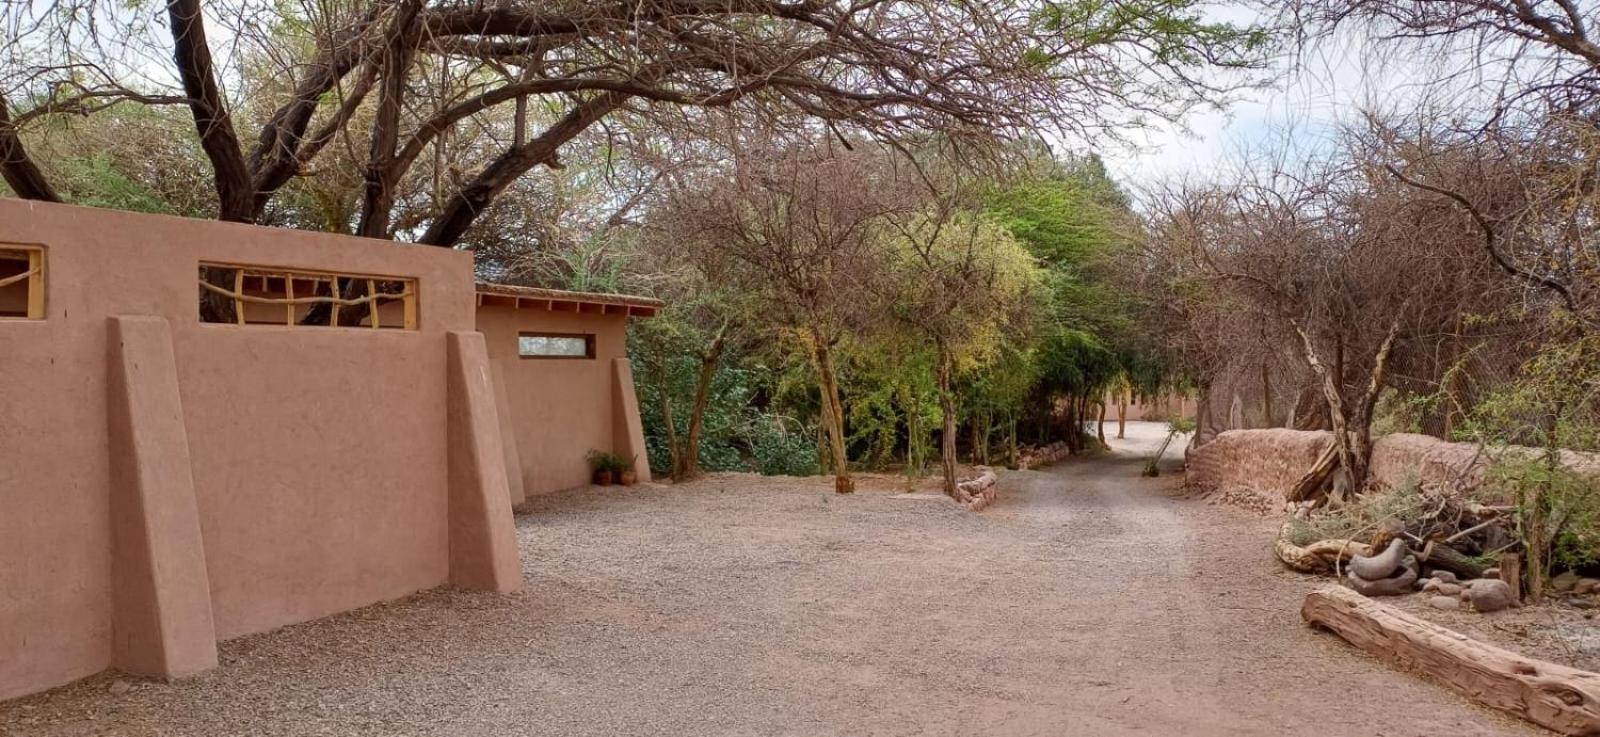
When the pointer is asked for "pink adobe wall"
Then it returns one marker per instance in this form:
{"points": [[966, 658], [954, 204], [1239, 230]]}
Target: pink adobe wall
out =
{"points": [[1271, 461], [560, 408], [320, 468]]}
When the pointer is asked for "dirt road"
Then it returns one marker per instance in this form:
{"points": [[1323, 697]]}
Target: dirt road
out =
{"points": [[1087, 601]]}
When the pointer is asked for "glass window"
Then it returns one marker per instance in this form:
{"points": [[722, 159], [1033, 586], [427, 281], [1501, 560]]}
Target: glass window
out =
{"points": [[555, 345]]}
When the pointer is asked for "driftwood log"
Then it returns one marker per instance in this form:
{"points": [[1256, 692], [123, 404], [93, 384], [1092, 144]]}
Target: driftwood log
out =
{"points": [[1318, 557], [1380, 566], [1564, 699], [1441, 556], [1396, 584]]}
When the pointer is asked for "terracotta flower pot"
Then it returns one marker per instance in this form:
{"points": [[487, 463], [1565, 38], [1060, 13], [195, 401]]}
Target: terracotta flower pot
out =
{"points": [[629, 478], [602, 478]]}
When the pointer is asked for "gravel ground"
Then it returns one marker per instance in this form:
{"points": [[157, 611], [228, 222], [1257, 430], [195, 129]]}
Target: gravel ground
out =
{"points": [[1086, 601]]}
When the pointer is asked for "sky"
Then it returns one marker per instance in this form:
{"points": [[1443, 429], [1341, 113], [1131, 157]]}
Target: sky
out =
{"points": [[1317, 90]]}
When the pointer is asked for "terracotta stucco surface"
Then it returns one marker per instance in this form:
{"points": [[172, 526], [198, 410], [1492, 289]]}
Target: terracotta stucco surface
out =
{"points": [[559, 408], [318, 455]]}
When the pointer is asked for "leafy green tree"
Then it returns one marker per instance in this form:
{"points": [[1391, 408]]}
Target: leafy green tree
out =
{"points": [[964, 285]]}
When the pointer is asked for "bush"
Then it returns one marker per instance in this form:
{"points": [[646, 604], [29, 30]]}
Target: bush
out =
{"points": [[777, 451], [1558, 510]]}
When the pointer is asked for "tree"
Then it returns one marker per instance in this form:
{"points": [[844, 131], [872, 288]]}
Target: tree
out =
{"points": [[965, 286], [798, 228], [406, 77]]}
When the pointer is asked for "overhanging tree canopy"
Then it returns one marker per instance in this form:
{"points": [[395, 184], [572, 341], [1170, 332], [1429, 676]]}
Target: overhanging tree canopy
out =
{"points": [[396, 77]]}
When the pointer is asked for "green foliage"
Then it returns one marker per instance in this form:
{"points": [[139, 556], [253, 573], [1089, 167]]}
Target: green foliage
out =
{"points": [[97, 182], [777, 449], [1175, 31], [1558, 509], [1553, 401], [602, 462], [1363, 516]]}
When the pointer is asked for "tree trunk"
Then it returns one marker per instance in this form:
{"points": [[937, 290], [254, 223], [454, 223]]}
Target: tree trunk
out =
{"points": [[1352, 431], [1266, 396], [1122, 413], [16, 167], [1202, 415], [1100, 426], [1071, 424], [1011, 445], [947, 407], [458, 214], [1439, 555], [672, 431], [702, 396], [832, 413], [192, 54], [382, 174]]}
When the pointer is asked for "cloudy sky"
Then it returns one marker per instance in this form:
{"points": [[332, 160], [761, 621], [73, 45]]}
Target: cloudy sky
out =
{"points": [[1317, 91]]}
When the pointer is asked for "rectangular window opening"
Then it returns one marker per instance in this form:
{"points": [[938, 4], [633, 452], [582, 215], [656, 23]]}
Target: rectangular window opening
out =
{"points": [[555, 345], [21, 282], [260, 295]]}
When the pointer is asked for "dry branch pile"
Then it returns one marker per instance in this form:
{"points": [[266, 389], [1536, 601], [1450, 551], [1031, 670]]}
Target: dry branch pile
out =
{"points": [[1392, 544]]}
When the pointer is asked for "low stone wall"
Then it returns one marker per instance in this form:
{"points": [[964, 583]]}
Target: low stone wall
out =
{"points": [[1266, 463], [1263, 463], [1031, 458]]}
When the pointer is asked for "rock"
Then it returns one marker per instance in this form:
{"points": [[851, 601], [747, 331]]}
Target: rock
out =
{"points": [[1489, 595], [1449, 589], [1586, 586], [1493, 573], [1581, 603], [120, 687], [1430, 584], [1444, 577], [1444, 602], [1564, 582]]}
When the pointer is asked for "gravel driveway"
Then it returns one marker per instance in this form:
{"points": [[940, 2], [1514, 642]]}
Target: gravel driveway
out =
{"points": [[1086, 601]]}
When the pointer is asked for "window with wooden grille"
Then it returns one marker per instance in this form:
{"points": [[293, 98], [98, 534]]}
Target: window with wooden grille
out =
{"points": [[21, 282], [259, 295]]}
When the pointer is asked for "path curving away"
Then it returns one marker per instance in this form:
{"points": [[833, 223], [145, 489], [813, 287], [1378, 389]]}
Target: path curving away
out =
{"points": [[1086, 601]]}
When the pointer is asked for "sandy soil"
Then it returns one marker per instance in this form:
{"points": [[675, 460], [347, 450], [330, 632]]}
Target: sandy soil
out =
{"points": [[1086, 601]]}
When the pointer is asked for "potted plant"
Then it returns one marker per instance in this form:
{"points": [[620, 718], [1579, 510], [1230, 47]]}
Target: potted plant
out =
{"points": [[604, 465], [626, 475]]}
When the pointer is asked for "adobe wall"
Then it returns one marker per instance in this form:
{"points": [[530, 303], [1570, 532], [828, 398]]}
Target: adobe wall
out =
{"points": [[317, 457], [560, 409], [1269, 462]]}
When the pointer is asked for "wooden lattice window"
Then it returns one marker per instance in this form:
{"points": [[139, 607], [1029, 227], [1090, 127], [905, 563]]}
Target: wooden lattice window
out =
{"points": [[21, 282], [259, 295]]}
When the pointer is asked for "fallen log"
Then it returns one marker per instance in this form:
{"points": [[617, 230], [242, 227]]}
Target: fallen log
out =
{"points": [[1564, 699], [1318, 557], [1441, 556], [1380, 566], [1398, 584]]}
